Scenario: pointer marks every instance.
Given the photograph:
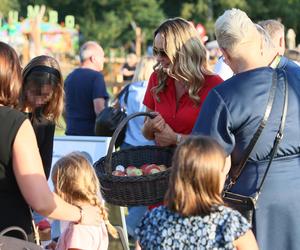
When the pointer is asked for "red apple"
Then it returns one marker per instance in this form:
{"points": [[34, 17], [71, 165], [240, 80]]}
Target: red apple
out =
{"points": [[150, 168], [144, 166], [154, 171]]}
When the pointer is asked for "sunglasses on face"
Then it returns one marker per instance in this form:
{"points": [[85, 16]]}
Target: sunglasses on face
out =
{"points": [[159, 52]]}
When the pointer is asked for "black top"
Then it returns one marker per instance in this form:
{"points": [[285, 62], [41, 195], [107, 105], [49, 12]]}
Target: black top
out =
{"points": [[13, 210], [44, 131]]}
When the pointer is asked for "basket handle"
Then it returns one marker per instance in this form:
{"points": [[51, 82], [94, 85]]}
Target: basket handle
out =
{"points": [[107, 163]]}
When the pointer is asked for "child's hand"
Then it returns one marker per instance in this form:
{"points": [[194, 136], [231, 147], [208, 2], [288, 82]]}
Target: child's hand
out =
{"points": [[91, 216]]}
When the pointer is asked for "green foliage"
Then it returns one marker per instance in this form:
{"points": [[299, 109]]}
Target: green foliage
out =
{"points": [[111, 22], [7, 5], [287, 12]]}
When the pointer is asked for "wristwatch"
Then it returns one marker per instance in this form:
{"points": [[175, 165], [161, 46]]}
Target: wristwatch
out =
{"points": [[178, 138]]}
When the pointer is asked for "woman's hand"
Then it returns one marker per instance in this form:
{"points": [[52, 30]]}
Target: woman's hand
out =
{"points": [[166, 137], [153, 125]]}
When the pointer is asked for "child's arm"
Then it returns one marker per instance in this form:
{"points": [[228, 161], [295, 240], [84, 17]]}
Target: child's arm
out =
{"points": [[246, 242]]}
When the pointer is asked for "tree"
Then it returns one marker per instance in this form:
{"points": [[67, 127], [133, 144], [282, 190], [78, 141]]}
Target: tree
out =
{"points": [[111, 22], [287, 12], [7, 5]]}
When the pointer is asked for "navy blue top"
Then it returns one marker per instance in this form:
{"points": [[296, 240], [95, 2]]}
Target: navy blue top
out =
{"points": [[231, 114], [82, 86]]}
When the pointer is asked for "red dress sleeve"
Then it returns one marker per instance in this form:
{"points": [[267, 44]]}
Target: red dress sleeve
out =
{"points": [[149, 98]]}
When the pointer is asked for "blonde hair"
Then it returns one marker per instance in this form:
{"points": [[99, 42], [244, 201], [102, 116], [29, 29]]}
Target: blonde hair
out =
{"points": [[32, 77], [10, 76], [76, 182], [233, 28], [187, 54], [144, 69], [194, 185]]}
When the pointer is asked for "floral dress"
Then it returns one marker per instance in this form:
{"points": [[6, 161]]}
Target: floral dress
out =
{"points": [[163, 229]]}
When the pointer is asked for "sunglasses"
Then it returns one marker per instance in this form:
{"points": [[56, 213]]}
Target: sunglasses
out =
{"points": [[159, 52]]}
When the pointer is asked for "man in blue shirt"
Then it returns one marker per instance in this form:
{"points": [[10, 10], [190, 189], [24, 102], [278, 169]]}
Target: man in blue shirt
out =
{"points": [[85, 91]]}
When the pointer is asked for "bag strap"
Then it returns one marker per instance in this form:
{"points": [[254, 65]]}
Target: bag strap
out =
{"points": [[279, 134], [35, 229], [14, 228], [124, 91], [241, 166]]}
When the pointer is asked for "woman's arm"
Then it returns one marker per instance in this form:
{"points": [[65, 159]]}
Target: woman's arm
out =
{"points": [[246, 242], [30, 176]]}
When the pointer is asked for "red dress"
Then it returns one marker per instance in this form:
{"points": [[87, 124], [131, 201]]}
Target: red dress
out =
{"points": [[182, 118]]}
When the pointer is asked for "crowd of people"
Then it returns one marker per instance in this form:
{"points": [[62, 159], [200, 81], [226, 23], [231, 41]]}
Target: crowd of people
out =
{"points": [[211, 116]]}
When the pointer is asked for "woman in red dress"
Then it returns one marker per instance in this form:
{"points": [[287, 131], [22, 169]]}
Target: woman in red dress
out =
{"points": [[179, 84]]}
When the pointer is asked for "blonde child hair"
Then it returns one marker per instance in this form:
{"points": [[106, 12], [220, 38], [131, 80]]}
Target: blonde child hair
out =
{"points": [[76, 182]]}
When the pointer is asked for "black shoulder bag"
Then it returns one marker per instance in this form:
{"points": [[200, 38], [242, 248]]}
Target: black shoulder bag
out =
{"points": [[247, 204], [110, 117]]}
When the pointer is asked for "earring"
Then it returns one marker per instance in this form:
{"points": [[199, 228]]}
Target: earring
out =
{"points": [[261, 52]]}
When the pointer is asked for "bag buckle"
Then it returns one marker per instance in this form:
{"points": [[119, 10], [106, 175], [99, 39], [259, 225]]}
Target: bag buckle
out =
{"points": [[229, 185], [255, 198], [279, 135]]}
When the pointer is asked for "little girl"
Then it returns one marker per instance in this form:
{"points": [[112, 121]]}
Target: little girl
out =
{"points": [[194, 216], [75, 181]]}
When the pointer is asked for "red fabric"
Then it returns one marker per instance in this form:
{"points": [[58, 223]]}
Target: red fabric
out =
{"points": [[182, 119], [155, 205]]}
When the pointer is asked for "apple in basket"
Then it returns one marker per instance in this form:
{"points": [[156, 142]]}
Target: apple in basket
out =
{"points": [[133, 171], [119, 171], [144, 166], [152, 169], [162, 167]]}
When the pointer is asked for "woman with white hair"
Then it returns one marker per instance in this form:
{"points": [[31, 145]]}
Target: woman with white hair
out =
{"points": [[232, 113]]}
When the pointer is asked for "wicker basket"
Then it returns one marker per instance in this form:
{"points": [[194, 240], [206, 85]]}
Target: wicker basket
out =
{"points": [[134, 190]]}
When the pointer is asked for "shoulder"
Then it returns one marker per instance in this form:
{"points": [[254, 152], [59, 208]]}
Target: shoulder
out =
{"points": [[234, 224], [213, 79], [288, 65], [12, 115], [153, 78], [151, 218], [157, 212]]}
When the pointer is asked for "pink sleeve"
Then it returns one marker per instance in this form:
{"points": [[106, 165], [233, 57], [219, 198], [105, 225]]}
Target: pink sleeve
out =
{"points": [[78, 237]]}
